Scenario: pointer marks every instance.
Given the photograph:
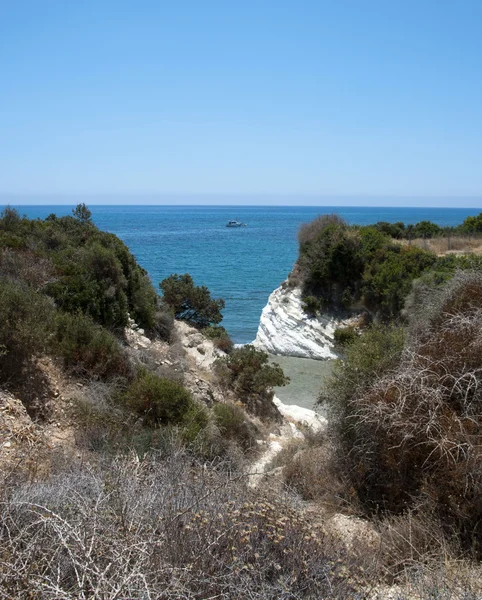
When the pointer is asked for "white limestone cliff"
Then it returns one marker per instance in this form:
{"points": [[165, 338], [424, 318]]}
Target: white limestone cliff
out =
{"points": [[285, 329]]}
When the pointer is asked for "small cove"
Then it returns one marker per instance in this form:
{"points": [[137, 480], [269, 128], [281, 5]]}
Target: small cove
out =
{"points": [[306, 380]]}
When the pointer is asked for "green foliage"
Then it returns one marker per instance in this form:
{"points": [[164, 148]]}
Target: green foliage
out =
{"points": [[193, 423], [25, 320], [93, 271], [425, 229], [311, 305], [215, 331], [158, 400], [220, 337], [394, 230], [368, 357], [330, 260], [345, 335], [191, 303], [389, 275], [248, 373], [10, 220], [472, 224], [82, 213], [342, 265], [92, 282], [88, 349], [233, 425]]}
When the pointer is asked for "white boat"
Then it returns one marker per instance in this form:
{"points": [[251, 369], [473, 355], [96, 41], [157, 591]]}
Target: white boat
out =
{"points": [[235, 224]]}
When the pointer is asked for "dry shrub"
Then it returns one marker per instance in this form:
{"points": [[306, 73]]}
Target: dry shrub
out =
{"points": [[165, 528], [311, 472], [225, 344], [100, 422], [416, 434], [164, 323], [411, 540]]}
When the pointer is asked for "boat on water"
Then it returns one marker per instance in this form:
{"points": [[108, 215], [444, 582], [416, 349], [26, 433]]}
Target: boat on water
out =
{"points": [[235, 223]]}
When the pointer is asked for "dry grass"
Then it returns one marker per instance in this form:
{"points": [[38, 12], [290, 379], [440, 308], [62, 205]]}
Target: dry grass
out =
{"points": [[160, 528], [448, 245]]}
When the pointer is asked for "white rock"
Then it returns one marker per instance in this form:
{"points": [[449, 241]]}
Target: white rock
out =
{"points": [[303, 416], [286, 330]]}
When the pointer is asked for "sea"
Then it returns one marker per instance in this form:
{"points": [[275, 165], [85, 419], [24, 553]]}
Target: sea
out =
{"points": [[241, 265]]}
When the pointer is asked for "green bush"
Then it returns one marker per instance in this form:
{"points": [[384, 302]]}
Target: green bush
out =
{"points": [[194, 422], [311, 305], [233, 425], [191, 303], [367, 358], [345, 335], [158, 400], [330, 262], [26, 319], [88, 349], [342, 265], [388, 278], [247, 372], [88, 270]]}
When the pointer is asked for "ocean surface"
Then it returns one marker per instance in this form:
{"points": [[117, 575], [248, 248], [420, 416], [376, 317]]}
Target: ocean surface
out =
{"points": [[242, 265]]}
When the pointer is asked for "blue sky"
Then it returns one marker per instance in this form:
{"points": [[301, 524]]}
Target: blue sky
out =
{"points": [[305, 98]]}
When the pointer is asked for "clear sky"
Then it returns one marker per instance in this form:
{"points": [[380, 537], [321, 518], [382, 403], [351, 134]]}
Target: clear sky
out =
{"points": [[307, 97]]}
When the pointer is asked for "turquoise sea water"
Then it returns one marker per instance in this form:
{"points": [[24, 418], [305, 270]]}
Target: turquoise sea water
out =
{"points": [[243, 265]]}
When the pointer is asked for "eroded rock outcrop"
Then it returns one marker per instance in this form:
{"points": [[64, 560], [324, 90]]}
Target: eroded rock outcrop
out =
{"points": [[285, 329]]}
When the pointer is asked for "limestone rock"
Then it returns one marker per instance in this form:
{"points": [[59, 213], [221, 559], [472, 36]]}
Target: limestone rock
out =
{"points": [[285, 329]]}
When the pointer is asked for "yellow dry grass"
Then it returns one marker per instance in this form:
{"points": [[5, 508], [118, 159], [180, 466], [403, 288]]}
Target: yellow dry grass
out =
{"points": [[448, 245]]}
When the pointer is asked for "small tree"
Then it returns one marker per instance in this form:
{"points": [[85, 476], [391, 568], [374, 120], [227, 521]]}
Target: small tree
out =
{"points": [[472, 224], [191, 303], [82, 213], [247, 372]]}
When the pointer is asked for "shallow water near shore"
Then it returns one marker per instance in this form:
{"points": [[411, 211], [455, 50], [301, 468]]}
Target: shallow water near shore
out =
{"points": [[307, 377]]}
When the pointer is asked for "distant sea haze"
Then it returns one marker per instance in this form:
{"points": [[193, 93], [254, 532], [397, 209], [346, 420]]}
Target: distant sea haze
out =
{"points": [[242, 265]]}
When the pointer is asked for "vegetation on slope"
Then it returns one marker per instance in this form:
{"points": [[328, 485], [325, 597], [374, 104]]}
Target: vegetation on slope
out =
{"points": [[407, 420], [157, 505], [67, 290], [341, 266]]}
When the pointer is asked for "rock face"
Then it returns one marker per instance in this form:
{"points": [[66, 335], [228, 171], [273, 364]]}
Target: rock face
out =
{"points": [[286, 330]]}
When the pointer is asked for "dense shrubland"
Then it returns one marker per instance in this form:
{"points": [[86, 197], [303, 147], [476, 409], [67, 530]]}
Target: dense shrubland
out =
{"points": [[341, 266], [80, 267], [67, 290]]}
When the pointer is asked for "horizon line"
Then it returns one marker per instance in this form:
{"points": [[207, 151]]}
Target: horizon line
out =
{"points": [[232, 206]]}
